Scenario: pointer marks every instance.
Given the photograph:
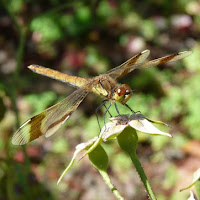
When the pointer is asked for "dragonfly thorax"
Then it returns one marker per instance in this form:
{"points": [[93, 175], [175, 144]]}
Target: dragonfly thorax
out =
{"points": [[122, 93]]}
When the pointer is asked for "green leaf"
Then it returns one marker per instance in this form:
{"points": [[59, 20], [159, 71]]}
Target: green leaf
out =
{"points": [[128, 140], [79, 148], [99, 158]]}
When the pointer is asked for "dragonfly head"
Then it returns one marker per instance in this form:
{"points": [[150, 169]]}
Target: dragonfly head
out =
{"points": [[122, 93]]}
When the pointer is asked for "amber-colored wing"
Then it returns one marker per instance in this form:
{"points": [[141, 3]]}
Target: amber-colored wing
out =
{"points": [[50, 120], [137, 62], [123, 69]]}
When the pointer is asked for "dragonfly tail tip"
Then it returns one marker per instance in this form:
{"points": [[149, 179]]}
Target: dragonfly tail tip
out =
{"points": [[33, 67], [30, 67]]}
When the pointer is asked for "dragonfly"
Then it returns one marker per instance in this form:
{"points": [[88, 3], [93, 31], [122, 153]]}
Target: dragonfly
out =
{"points": [[105, 85]]}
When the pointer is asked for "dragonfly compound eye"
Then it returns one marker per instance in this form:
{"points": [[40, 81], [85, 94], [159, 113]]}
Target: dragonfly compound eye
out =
{"points": [[121, 91], [127, 89]]}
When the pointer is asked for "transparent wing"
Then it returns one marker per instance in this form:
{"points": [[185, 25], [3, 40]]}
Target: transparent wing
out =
{"points": [[127, 67], [50, 120], [165, 59]]}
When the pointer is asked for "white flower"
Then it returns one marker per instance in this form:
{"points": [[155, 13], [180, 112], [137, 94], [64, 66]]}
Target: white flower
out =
{"points": [[112, 129], [191, 196], [137, 121]]}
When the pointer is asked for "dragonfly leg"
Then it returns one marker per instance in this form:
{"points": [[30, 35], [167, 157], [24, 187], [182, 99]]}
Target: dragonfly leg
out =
{"points": [[108, 110], [130, 108], [96, 112], [117, 109], [104, 115]]}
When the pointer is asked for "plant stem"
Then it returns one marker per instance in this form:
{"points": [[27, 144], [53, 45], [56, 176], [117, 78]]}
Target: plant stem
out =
{"points": [[106, 178], [12, 91], [128, 141], [142, 175]]}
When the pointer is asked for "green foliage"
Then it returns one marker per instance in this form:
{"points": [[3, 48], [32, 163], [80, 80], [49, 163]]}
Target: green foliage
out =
{"points": [[60, 145], [16, 182], [159, 142], [173, 100], [192, 62], [171, 175], [149, 29], [78, 23], [95, 61], [179, 140], [140, 103], [16, 6], [47, 26], [179, 195], [41, 101], [125, 7], [105, 10], [83, 14], [91, 127], [120, 163], [53, 27], [191, 98]]}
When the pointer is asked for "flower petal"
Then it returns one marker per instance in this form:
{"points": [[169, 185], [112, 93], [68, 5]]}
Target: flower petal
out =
{"points": [[196, 176], [79, 148], [156, 122], [111, 130], [143, 125], [69, 166], [191, 196]]}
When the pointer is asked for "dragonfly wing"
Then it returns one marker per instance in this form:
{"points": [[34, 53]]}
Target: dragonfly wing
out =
{"points": [[120, 71], [137, 63], [50, 120], [126, 67], [165, 59]]}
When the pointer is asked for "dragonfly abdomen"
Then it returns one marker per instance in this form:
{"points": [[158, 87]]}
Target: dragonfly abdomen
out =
{"points": [[72, 80]]}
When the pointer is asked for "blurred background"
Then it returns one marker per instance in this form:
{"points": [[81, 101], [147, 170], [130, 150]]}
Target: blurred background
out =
{"points": [[87, 38]]}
